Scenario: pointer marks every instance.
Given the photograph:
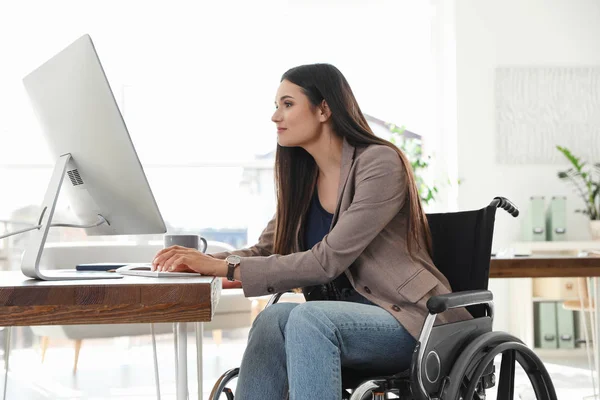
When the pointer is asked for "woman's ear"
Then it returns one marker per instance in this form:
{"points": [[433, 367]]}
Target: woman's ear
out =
{"points": [[324, 111]]}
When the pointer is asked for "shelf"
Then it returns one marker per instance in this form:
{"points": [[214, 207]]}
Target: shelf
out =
{"points": [[541, 299]]}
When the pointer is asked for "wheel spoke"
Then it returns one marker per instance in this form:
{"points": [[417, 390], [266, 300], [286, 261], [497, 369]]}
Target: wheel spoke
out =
{"points": [[506, 385]]}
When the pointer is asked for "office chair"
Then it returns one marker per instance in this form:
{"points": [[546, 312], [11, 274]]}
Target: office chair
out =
{"points": [[456, 360]]}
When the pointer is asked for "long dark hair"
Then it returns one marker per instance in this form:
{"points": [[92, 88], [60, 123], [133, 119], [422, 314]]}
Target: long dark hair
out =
{"points": [[296, 170]]}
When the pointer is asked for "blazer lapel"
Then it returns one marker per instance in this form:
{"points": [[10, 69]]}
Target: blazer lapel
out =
{"points": [[347, 160]]}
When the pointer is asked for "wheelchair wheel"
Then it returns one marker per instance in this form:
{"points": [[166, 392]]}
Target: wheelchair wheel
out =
{"points": [[369, 390], [222, 389], [464, 381]]}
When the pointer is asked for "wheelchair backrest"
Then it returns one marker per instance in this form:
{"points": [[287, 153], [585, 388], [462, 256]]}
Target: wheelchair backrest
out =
{"points": [[462, 246]]}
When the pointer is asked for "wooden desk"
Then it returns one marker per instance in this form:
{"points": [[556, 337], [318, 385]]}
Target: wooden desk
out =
{"points": [[545, 267], [25, 301]]}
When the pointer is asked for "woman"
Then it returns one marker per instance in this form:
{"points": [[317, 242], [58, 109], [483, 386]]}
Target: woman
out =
{"points": [[350, 229]]}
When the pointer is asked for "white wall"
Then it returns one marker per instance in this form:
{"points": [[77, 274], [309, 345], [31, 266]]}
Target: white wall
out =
{"points": [[514, 33], [490, 34]]}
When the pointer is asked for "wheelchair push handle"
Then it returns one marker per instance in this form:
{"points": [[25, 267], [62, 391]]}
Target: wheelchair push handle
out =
{"points": [[504, 203]]}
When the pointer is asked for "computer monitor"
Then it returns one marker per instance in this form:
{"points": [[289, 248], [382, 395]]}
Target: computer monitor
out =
{"points": [[87, 137]]}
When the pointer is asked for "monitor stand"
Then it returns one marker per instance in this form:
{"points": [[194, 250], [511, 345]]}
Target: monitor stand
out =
{"points": [[30, 263]]}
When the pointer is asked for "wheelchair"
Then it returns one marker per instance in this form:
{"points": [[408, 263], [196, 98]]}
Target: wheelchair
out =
{"points": [[453, 361]]}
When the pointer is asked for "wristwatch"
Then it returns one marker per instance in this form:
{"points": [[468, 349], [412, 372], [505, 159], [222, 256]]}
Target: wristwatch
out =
{"points": [[232, 263]]}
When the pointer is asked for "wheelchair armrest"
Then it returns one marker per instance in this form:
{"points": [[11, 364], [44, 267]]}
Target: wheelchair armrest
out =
{"points": [[443, 302], [275, 298]]}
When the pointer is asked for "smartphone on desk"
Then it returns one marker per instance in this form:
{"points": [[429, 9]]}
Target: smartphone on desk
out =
{"points": [[99, 266]]}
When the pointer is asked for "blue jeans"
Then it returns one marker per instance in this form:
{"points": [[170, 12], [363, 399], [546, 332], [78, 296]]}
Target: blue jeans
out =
{"points": [[301, 348]]}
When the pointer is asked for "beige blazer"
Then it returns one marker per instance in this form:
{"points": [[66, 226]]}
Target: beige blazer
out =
{"points": [[367, 242]]}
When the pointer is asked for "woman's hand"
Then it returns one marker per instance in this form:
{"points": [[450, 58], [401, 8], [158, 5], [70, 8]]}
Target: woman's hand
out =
{"points": [[183, 259], [227, 284]]}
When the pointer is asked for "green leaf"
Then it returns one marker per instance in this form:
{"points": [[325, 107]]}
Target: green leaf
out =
{"points": [[583, 182], [574, 160], [412, 148]]}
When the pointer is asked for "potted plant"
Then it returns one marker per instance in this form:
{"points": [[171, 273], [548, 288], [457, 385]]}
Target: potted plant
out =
{"points": [[413, 150], [586, 180]]}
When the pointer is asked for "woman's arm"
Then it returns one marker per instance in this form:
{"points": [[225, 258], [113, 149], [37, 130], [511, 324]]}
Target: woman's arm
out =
{"points": [[264, 247], [380, 193], [176, 258]]}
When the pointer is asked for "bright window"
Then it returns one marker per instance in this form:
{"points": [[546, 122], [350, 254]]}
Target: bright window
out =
{"points": [[196, 84]]}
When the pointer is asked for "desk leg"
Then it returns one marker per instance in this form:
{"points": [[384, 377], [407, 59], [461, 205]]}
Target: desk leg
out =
{"points": [[6, 354], [589, 351], [181, 372], [155, 354], [199, 333], [175, 349]]}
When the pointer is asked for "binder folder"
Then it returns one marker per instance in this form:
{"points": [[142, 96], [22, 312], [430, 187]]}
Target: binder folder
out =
{"points": [[566, 327], [556, 219], [534, 223], [545, 325]]}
